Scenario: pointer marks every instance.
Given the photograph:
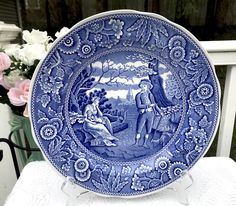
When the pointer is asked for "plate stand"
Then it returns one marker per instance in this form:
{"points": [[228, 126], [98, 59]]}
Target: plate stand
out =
{"points": [[72, 190], [179, 188]]}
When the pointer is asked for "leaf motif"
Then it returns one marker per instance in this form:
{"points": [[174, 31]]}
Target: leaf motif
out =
{"points": [[115, 182], [200, 76], [55, 146], [111, 178], [98, 185], [164, 53], [51, 147], [182, 74], [141, 30], [42, 114], [204, 123], [42, 120], [55, 150], [146, 37], [199, 110], [59, 157], [51, 112], [162, 29], [136, 25], [192, 123], [60, 144], [73, 146], [191, 156], [60, 73], [65, 131], [66, 137], [154, 30], [64, 89], [38, 99], [60, 109], [159, 44], [209, 108], [45, 99], [71, 63], [105, 184], [179, 145], [56, 98], [121, 186]]}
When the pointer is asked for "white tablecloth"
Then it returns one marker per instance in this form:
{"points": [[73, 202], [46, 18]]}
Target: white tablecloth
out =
{"points": [[214, 184]]}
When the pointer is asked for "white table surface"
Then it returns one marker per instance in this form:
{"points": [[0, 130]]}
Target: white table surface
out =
{"points": [[214, 184]]}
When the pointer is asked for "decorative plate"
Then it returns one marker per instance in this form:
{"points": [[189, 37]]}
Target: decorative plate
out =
{"points": [[124, 103]]}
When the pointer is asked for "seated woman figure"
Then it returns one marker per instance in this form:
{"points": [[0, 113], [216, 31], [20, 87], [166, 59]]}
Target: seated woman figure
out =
{"points": [[98, 125]]}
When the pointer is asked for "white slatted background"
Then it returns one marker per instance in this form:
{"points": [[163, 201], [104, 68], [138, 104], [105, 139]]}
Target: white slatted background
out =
{"points": [[224, 53]]}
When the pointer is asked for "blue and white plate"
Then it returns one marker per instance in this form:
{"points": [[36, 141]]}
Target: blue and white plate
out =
{"points": [[125, 103]]}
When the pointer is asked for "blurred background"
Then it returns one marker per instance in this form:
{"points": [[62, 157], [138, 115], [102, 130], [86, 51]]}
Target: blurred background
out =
{"points": [[206, 19]]}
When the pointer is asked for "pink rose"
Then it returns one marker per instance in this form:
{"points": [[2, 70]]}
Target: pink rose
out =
{"points": [[18, 95], [5, 61]]}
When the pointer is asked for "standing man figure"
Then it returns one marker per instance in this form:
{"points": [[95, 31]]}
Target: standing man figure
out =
{"points": [[147, 108]]}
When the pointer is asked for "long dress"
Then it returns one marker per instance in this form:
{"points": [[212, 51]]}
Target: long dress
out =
{"points": [[98, 125]]}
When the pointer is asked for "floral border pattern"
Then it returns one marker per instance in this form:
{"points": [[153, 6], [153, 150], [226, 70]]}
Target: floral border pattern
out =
{"points": [[156, 36]]}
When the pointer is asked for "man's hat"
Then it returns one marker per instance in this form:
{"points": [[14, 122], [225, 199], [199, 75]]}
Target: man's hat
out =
{"points": [[146, 82]]}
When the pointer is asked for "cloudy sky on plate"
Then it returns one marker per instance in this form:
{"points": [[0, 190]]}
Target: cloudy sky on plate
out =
{"points": [[127, 83]]}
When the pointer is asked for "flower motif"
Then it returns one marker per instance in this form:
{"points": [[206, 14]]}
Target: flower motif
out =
{"points": [[192, 68], [70, 44], [188, 145], [18, 95], [205, 91], [98, 37], [44, 99], [194, 54], [143, 169], [96, 27], [194, 98], [66, 167], [49, 84], [57, 122], [126, 170], [198, 136], [177, 54], [162, 164], [117, 26], [176, 169], [176, 41], [81, 165], [48, 132], [83, 176], [108, 43], [86, 49], [5, 61], [136, 183]]}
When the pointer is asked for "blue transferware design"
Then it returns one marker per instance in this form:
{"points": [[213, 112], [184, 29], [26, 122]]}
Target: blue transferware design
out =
{"points": [[125, 103]]}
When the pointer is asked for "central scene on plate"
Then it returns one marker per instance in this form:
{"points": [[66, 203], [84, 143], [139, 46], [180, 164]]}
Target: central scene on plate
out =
{"points": [[125, 106]]}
